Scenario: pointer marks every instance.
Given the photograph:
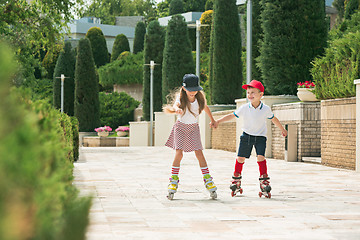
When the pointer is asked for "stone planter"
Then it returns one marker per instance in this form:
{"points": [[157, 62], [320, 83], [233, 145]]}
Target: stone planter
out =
{"points": [[103, 134], [305, 95], [122, 134]]}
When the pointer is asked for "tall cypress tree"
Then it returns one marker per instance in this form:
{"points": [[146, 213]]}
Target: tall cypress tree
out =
{"points": [[177, 60], [87, 107], [65, 65], [257, 34], [140, 31], [226, 49], [154, 46], [121, 44], [98, 46], [294, 34]]}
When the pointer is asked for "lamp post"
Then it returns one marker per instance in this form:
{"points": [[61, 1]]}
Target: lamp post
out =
{"points": [[152, 66], [248, 37], [62, 78], [198, 25]]}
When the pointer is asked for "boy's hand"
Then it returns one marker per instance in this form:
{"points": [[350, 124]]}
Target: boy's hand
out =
{"points": [[213, 124], [283, 132], [179, 111]]}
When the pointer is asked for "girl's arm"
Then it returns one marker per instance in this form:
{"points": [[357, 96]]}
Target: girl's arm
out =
{"points": [[276, 121], [208, 112]]}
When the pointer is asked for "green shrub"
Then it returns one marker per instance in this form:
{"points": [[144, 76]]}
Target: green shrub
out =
{"points": [[49, 61], [75, 132], [127, 69], [140, 31], [116, 109], [334, 74], [86, 104], [121, 44], [65, 65], [154, 47], [177, 58], [176, 7], [98, 46], [37, 200], [206, 18]]}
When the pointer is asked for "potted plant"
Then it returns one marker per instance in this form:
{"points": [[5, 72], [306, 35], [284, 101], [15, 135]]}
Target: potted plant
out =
{"points": [[122, 131], [103, 131], [306, 91]]}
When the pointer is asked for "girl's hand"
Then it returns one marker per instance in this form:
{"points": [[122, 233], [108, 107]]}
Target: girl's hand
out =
{"points": [[179, 111]]}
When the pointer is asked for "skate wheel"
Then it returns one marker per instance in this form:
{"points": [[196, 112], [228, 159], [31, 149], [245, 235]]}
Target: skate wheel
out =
{"points": [[170, 196], [213, 195], [241, 191], [269, 195], [233, 194], [260, 194]]}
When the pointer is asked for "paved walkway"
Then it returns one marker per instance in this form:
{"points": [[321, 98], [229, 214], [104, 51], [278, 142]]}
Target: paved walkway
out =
{"points": [[129, 186]]}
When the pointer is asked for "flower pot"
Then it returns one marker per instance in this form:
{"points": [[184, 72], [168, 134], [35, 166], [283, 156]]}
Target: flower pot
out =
{"points": [[103, 134], [121, 134], [305, 95]]}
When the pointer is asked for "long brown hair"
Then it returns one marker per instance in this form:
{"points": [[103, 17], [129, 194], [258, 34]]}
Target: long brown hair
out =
{"points": [[184, 101]]}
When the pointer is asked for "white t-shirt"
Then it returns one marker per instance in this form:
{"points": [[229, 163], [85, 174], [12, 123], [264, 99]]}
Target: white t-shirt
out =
{"points": [[254, 118], [188, 117]]}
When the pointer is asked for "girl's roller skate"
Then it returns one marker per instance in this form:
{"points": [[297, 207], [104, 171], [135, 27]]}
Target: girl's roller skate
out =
{"points": [[173, 185], [236, 186], [209, 184], [265, 186]]}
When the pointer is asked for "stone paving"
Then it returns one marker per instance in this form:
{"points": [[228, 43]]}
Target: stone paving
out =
{"points": [[129, 186]]}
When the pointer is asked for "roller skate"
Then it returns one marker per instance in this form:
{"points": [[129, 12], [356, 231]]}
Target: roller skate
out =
{"points": [[209, 184], [265, 186], [173, 185], [236, 186]]}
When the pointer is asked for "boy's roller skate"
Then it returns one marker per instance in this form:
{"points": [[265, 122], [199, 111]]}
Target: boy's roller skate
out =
{"points": [[173, 185], [265, 186], [209, 184], [236, 186]]}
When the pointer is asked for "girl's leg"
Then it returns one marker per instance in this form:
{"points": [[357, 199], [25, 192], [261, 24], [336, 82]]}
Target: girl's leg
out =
{"points": [[176, 163], [200, 156]]}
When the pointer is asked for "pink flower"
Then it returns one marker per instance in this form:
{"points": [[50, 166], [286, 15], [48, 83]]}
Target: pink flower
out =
{"points": [[122, 129], [103, 129], [306, 84]]}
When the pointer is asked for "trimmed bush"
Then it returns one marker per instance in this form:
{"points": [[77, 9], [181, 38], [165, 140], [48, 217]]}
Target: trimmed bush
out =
{"points": [[127, 69], [98, 46], [86, 105], [154, 47], [37, 200], [334, 74], [177, 59], [206, 18], [50, 59], [65, 65], [121, 45], [116, 109], [226, 79], [140, 31], [351, 6]]}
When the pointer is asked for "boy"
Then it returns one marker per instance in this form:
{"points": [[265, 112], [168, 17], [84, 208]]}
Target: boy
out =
{"points": [[254, 114]]}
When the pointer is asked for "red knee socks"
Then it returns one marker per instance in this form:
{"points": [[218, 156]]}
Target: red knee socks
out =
{"points": [[262, 167], [238, 168]]}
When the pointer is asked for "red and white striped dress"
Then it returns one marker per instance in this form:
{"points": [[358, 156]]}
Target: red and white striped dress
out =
{"points": [[185, 134]]}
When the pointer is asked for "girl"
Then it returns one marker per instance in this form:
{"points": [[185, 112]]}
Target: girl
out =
{"points": [[185, 134]]}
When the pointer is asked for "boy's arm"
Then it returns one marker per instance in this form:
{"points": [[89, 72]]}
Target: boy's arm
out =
{"points": [[276, 121], [225, 118]]}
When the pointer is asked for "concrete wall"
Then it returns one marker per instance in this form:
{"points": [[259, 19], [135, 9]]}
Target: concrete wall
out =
{"points": [[357, 83], [338, 132], [134, 90], [306, 117]]}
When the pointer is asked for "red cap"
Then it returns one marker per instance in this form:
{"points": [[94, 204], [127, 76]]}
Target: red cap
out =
{"points": [[254, 84]]}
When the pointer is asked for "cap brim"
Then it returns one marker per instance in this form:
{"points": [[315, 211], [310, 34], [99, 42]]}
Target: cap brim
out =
{"points": [[193, 89], [245, 86]]}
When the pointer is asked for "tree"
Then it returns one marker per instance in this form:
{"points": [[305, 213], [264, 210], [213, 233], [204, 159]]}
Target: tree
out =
{"points": [[340, 7], [31, 27], [98, 46], [226, 69], [121, 44], [206, 18], [294, 34], [86, 106], [177, 60], [140, 31], [209, 5], [176, 7], [65, 65], [351, 6], [194, 5], [154, 47]]}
